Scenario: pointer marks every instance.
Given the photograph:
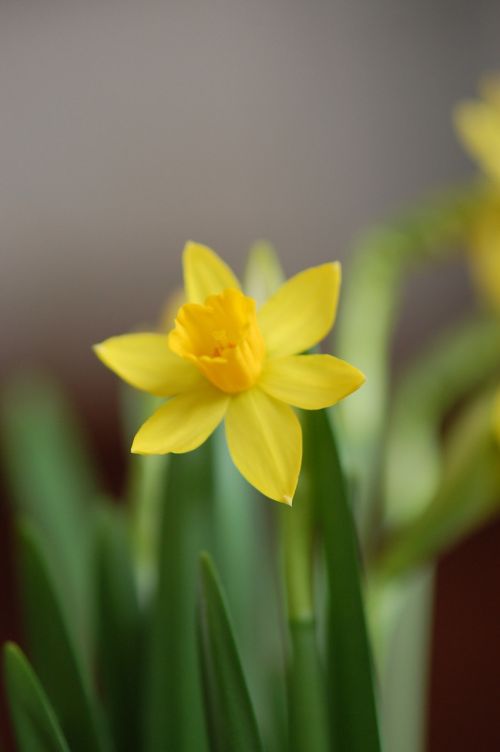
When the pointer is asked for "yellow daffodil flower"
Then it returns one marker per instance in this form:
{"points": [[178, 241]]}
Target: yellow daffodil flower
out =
{"points": [[227, 360], [478, 126]]}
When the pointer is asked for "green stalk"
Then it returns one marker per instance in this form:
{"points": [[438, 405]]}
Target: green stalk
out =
{"points": [[455, 365], [382, 260], [465, 492], [401, 619], [466, 497], [306, 692], [147, 476], [308, 721], [402, 579]]}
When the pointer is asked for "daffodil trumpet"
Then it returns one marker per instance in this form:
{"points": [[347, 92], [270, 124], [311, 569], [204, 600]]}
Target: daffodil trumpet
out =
{"points": [[227, 360]]}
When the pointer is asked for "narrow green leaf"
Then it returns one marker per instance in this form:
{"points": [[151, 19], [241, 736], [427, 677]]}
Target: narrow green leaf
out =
{"points": [[230, 717], [455, 365], [36, 727], [119, 631], [53, 485], [145, 490], [466, 497], [173, 700], [350, 675], [306, 691], [52, 650], [246, 561], [382, 260], [307, 701], [401, 617]]}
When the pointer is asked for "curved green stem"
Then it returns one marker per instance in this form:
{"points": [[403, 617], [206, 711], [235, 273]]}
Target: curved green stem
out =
{"points": [[382, 260]]}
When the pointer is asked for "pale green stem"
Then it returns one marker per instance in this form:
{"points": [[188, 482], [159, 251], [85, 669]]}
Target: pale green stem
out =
{"points": [[401, 616], [298, 556], [382, 260], [308, 721]]}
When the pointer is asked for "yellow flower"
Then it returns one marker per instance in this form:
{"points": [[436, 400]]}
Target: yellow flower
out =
{"points": [[478, 126], [226, 360]]}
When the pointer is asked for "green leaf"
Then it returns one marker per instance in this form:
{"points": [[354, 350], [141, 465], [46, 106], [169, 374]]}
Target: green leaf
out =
{"points": [[307, 700], [246, 562], [36, 727], [466, 497], [53, 486], [230, 717], [349, 661], [173, 704], [382, 260], [119, 631], [401, 617], [306, 691], [52, 650], [455, 365], [145, 490]]}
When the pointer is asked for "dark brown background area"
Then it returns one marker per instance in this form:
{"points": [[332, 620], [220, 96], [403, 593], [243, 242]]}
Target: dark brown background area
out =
{"points": [[127, 127]]}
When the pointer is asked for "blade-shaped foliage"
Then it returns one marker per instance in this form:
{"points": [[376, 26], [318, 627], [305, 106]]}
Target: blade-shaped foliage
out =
{"points": [[349, 661], [247, 565], [306, 692], [383, 259], [465, 498], [52, 650], [36, 727], [52, 485], [454, 366], [231, 722], [119, 631], [173, 706]]}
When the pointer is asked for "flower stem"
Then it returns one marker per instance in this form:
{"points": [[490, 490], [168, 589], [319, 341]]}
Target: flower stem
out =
{"points": [[308, 723]]}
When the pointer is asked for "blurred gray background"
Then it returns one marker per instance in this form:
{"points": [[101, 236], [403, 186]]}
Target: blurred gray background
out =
{"points": [[127, 128]]}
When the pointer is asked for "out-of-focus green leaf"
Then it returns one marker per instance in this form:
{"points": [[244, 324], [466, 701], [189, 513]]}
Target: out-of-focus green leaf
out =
{"points": [[53, 653], [308, 720], [401, 619], [173, 705], [231, 722], [468, 495], [53, 484], [349, 661], [146, 481], [307, 701], [36, 727], [382, 260], [236, 526], [248, 568], [119, 631], [456, 364]]}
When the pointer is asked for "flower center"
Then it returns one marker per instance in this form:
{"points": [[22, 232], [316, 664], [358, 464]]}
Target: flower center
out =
{"points": [[222, 338]]}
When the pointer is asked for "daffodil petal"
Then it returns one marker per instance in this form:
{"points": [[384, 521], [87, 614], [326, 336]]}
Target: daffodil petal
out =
{"points": [[146, 362], [478, 125], [310, 381], [205, 273], [182, 423], [265, 442], [302, 311]]}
